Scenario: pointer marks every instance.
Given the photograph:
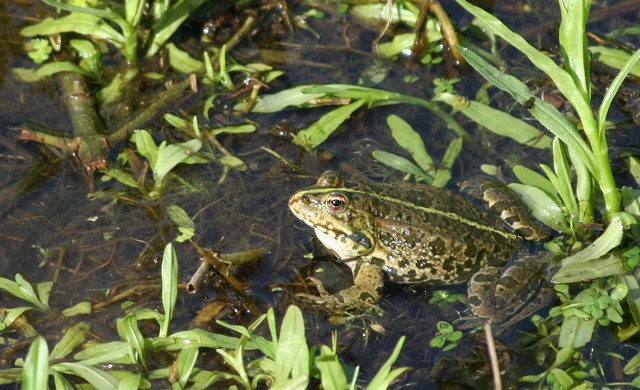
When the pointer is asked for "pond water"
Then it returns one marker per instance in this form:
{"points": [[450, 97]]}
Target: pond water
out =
{"points": [[51, 229]]}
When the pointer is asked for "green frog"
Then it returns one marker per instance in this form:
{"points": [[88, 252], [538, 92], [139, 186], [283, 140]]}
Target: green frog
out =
{"points": [[416, 233]]}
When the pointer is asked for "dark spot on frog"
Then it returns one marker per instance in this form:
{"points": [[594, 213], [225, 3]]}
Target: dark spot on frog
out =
{"points": [[361, 239], [471, 249], [422, 264], [437, 247]]}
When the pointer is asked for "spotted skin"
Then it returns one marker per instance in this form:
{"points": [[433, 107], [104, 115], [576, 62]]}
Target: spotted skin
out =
{"points": [[414, 233]]}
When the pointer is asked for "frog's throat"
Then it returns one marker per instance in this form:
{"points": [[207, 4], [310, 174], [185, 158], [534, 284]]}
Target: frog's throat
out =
{"points": [[429, 210], [342, 244]]}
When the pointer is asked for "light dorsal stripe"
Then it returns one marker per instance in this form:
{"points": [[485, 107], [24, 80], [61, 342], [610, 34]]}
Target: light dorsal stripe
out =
{"points": [[428, 210]]}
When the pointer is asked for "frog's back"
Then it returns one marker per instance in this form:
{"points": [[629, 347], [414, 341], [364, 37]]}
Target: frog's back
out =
{"points": [[429, 234]]}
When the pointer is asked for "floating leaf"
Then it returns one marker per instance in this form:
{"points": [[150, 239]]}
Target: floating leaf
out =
{"points": [[318, 132]]}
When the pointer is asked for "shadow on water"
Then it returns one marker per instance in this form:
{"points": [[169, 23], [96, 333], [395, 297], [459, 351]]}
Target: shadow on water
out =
{"points": [[50, 229]]}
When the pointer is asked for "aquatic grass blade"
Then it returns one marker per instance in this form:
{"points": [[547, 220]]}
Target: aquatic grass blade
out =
{"points": [[410, 140], [573, 43], [615, 58], [76, 23], [128, 330], [10, 315], [35, 373], [79, 308], [292, 354], [22, 289], [496, 121], [402, 164], [629, 66], [534, 179], [101, 353], [197, 338], [97, 378], [543, 207], [564, 178], [319, 131], [563, 81], [547, 114], [385, 375], [169, 22], [591, 269], [443, 174], [187, 359], [133, 11], [73, 337], [169, 275], [611, 238], [331, 371], [293, 97]]}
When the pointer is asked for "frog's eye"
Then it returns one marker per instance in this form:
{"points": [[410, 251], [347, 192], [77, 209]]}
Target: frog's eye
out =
{"points": [[336, 202]]}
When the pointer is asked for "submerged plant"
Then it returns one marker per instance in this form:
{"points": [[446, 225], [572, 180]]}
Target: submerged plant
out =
{"points": [[284, 361]]}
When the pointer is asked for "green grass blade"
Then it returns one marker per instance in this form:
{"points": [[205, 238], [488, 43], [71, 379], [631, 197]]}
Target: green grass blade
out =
{"points": [[97, 378], [331, 371], [169, 23], [573, 43], [402, 165], [73, 337], [443, 174], [318, 132], [385, 375], [629, 66], [563, 81], [292, 356], [169, 274], [35, 374], [410, 140], [496, 121], [548, 115]]}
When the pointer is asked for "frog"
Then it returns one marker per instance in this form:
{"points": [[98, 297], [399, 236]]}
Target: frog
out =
{"points": [[421, 234]]}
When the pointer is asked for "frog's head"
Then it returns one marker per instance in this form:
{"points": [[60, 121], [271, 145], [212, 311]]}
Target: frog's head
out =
{"points": [[328, 207]]}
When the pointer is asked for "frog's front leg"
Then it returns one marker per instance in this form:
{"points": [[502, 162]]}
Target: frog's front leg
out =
{"points": [[512, 293], [368, 283]]}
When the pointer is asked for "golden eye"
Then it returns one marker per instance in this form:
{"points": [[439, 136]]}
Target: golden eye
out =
{"points": [[336, 202]]}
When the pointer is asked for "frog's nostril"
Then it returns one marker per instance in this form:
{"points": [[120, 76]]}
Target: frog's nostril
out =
{"points": [[305, 198]]}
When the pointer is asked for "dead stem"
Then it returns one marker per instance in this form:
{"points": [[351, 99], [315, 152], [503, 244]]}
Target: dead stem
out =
{"points": [[221, 268], [493, 356], [448, 31]]}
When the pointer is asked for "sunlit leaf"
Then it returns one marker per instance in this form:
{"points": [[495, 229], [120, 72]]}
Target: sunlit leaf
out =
{"points": [[98, 378], [162, 30], [36, 366], [411, 141], [385, 375], [402, 165], [318, 132], [77, 23], [497, 121], [575, 332], [610, 239], [543, 207], [79, 308], [615, 58], [292, 355], [169, 275], [73, 337], [331, 371], [182, 61]]}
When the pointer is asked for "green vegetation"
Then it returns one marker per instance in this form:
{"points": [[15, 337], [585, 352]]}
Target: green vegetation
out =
{"points": [[596, 281], [284, 361]]}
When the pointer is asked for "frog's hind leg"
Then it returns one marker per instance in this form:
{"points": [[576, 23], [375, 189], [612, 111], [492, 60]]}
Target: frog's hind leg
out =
{"points": [[511, 293]]}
